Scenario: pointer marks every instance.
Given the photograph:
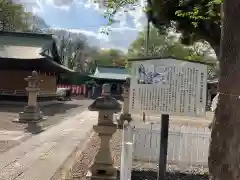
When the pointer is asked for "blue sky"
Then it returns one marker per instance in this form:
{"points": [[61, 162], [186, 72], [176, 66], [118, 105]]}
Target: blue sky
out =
{"points": [[86, 17]]}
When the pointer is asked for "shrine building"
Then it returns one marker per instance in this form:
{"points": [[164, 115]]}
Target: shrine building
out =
{"points": [[20, 54], [115, 76]]}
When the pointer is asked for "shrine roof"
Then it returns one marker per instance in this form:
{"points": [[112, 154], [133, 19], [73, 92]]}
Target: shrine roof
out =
{"points": [[17, 49], [111, 72], [42, 64], [27, 45]]}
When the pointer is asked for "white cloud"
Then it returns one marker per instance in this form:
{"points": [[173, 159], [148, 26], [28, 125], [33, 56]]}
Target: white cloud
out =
{"points": [[121, 34], [139, 18], [90, 4], [117, 39], [61, 4], [134, 12]]}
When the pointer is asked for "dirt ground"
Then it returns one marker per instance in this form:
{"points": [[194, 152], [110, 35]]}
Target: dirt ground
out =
{"points": [[54, 113]]}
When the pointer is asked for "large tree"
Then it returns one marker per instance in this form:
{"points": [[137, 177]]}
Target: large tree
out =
{"points": [[195, 19], [109, 57], [168, 44], [12, 17], [75, 53], [224, 156]]}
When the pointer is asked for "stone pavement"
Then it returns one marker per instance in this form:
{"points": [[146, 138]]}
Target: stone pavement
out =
{"points": [[12, 133], [42, 155]]}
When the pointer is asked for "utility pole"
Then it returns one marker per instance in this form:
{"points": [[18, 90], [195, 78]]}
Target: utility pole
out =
{"points": [[147, 38]]}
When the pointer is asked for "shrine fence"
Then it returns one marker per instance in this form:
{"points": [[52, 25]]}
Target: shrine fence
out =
{"points": [[187, 146], [77, 90]]}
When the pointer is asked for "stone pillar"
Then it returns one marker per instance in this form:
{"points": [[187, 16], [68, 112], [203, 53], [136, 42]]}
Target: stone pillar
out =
{"points": [[102, 166], [125, 115], [32, 112]]}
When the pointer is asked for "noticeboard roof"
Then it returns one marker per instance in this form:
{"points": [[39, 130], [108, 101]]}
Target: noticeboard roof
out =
{"points": [[166, 57]]}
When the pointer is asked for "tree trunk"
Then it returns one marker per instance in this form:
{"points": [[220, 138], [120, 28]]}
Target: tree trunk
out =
{"points": [[224, 152]]}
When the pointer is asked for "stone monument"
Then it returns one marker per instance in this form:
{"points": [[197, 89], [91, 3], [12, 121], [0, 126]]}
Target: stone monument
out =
{"points": [[106, 105], [125, 115], [32, 112]]}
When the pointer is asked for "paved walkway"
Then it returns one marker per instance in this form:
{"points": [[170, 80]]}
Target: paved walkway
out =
{"points": [[42, 155], [12, 133]]}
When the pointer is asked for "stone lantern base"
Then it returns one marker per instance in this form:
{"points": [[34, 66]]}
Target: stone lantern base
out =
{"points": [[102, 167], [124, 117], [102, 171], [31, 114]]}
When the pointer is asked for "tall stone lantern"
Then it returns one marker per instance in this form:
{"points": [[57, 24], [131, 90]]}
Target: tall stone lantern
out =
{"points": [[32, 112], [125, 115], [106, 105]]}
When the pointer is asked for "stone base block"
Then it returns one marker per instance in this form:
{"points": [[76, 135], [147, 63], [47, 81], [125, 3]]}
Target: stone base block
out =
{"points": [[102, 171], [123, 117], [31, 114], [126, 117], [90, 176], [34, 128]]}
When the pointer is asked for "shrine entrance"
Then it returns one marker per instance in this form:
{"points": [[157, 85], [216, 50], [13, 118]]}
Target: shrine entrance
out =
{"points": [[115, 76]]}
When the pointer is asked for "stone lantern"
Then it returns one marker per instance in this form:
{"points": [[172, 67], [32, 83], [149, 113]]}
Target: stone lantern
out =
{"points": [[32, 112], [125, 115], [106, 105]]}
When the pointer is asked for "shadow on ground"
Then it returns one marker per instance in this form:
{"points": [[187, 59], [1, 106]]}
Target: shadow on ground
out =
{"points": [[152, 175], [48, 110], [62, 108]]}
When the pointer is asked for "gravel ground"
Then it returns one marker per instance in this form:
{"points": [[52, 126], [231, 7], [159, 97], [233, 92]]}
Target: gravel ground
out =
{"points": [[80, 168], [140, 171]]}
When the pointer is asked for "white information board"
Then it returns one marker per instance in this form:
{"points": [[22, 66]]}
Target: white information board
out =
{"points": [[168, 86]]}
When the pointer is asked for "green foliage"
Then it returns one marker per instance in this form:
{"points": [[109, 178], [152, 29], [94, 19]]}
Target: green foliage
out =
{"points": [[110, 57], [195, 19], [12, 17], [166, 45], [163, 45]]}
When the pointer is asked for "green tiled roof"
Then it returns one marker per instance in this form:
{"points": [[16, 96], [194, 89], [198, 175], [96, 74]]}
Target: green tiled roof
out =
{"points": [[108, 72]]}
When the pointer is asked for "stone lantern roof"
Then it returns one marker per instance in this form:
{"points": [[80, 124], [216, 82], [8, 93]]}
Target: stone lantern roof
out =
{"points": [[106, 104]]}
